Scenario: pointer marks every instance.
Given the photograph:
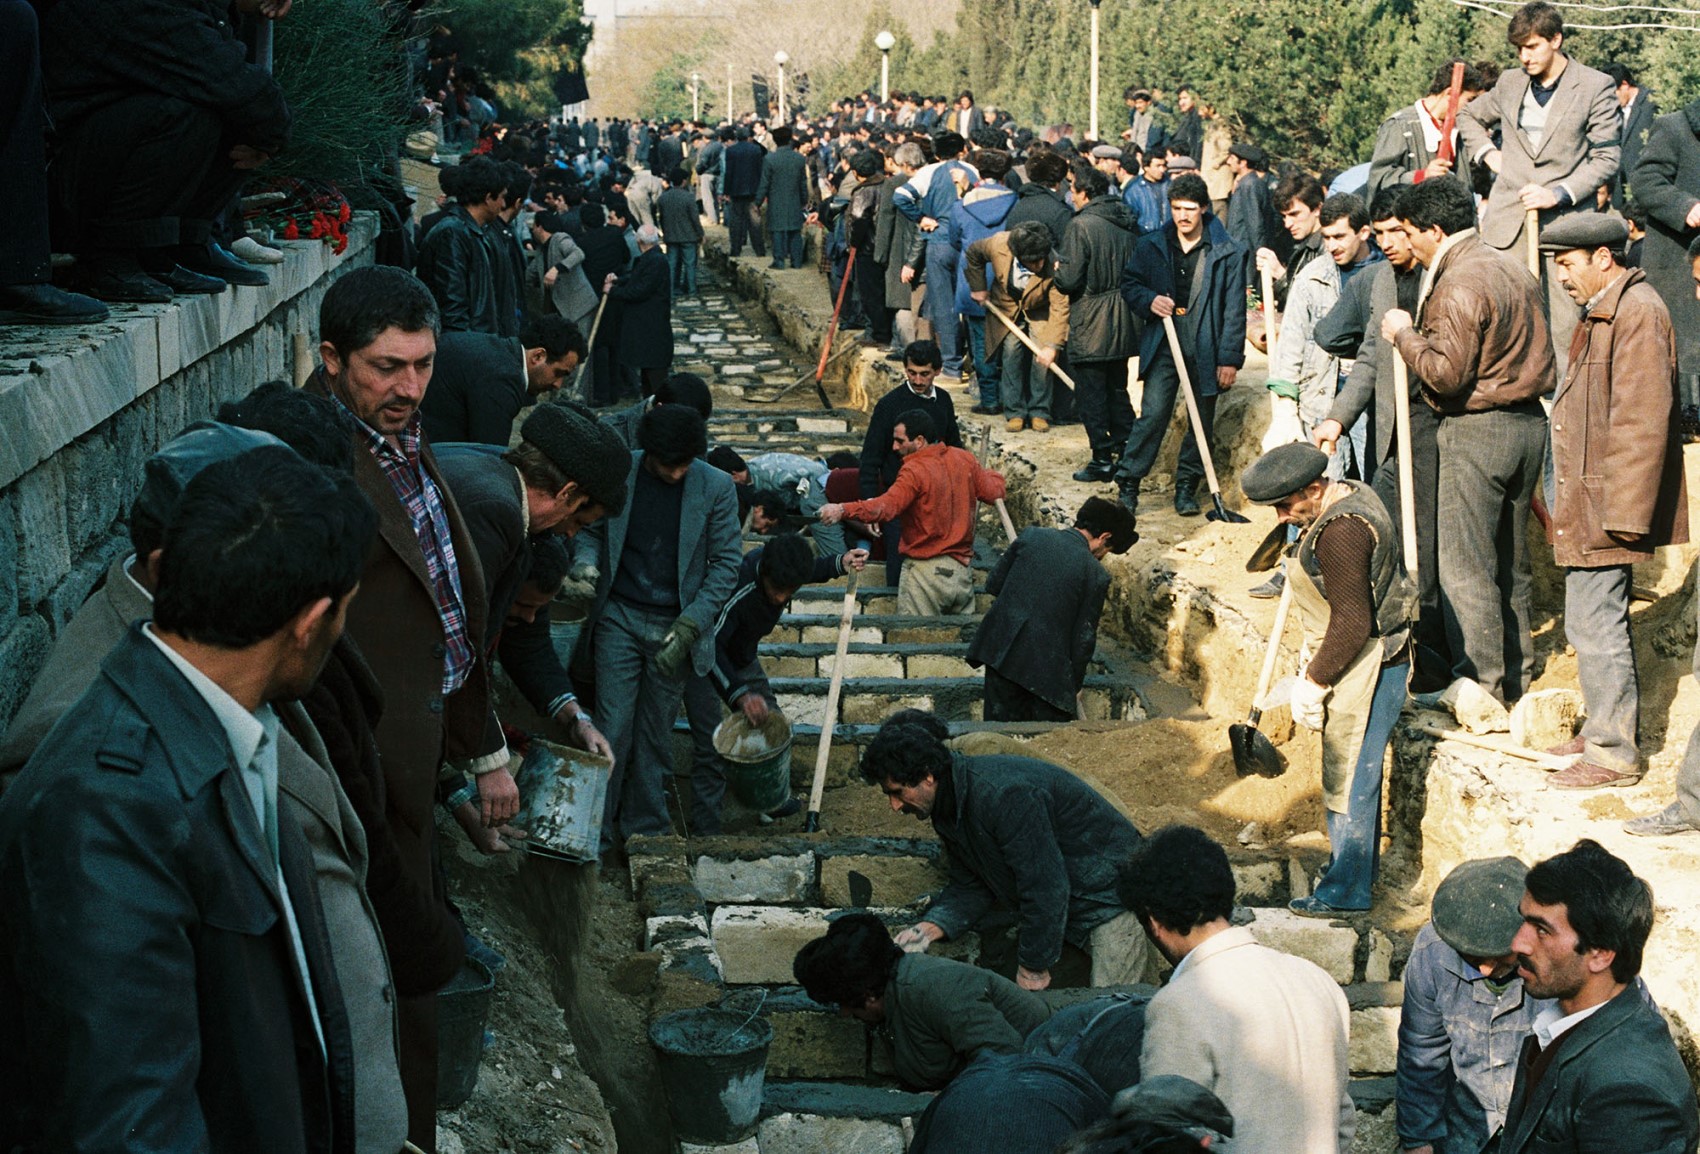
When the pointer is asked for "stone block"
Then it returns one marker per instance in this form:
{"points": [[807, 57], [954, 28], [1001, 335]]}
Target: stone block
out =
{"points": [[864, 665], [883, 605], [1329, 945], [788, 666], [871, 709], [897, 879], [1373, 1044], [813, 1134], [828, 634], [23, 650], [841, 763], [781, 878], [829, 1100], [939, 665], [672, 927], [816, 1044], [924, 635], [39, 499], [747, 1146], [821, 425], [1260, 881], [756, 943], [1378, 966], [803, 709], [1546, 717]]}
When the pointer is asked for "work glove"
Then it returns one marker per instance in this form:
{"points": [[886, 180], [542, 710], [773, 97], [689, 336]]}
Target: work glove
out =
{"points": [[1284, 424], [578, 591], [1307, 703], [675, 654]]}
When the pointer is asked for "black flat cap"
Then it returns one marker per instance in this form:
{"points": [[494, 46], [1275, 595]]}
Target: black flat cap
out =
{"points": [[1475, 907], [1282, 471], [1589, 230], [203, 443], [582, 447], [1249, 153]]}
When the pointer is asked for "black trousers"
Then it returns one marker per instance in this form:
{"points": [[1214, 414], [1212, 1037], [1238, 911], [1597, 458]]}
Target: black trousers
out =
{"points": [[870, 287], [1007, 701], [1433, 667], [743, 223], [146, 171], [25, 253], [1101, 396]]}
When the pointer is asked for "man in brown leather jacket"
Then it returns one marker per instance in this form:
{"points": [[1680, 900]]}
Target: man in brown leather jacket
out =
{"points": [[1482, 349]]}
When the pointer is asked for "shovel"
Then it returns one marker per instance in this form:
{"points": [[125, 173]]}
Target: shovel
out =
{"points": [[589, 344], [1253, 751], [1268, 552], [1220, 512]]}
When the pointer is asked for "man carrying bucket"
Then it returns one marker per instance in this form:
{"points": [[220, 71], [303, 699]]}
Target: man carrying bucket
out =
{"points": [[767, 580], [1356, 602]]}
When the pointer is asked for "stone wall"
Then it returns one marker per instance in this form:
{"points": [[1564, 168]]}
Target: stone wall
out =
{"points": [[83, 408]]}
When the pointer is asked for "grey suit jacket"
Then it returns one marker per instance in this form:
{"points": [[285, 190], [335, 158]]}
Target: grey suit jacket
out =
{"points": [[785, 187], [1616, 1073], [710, 549], [1401, 151], [1043, 628], [571, 295], [1579, 148]]}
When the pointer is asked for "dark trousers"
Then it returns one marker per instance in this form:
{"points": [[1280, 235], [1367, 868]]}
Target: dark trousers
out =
{"points": [[25, 254], [1101, 389], [743, 223], [1008, 701], [892, 534], [1433, 668], [870, 286], [1145, 437], [1490, 463], [787, 245], [145, 172]]}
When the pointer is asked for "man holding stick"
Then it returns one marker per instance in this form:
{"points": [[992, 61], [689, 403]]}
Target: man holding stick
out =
{"points": [[1421, 141], [1022, 288]]}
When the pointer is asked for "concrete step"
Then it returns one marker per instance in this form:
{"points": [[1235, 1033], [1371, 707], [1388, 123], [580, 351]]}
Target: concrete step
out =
{"points": [[1107, 697], [724, 423]]}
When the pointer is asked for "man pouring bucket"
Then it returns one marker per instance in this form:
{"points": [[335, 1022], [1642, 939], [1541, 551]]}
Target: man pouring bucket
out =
{"points": [[1348, 583]]}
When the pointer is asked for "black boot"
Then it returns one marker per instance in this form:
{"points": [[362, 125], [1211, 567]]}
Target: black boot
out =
{"points": [[1186, 498], [213, 260], [43, 304], [1100, 468], [1127, 492]]}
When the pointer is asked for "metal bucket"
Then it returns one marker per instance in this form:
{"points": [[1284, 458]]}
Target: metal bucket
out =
{"points": [[713, 1064], [562, 793], [758, 761]]}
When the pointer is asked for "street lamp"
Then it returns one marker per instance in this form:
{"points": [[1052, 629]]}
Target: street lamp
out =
{"points": [[781, 58], [728, 94], [696, 96], [1092, 116], [885, 42]]}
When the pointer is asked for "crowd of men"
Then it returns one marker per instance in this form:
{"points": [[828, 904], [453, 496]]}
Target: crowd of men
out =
{"points": [[223, 922]]}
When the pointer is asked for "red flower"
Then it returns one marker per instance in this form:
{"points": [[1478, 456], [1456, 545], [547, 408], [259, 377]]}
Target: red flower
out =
{"points": [[345, 213], [292, 231]]}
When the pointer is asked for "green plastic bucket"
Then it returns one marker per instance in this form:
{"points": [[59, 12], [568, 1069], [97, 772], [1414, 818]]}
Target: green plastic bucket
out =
{"points": [[713, 1065], [758, 761]]}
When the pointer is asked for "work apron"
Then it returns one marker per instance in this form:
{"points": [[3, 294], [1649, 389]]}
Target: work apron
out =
{"points": [[1349, 703]]}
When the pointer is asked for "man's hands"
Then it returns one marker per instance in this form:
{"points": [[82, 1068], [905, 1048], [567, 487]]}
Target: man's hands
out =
{"points": [[1393, 323], [1692, 220], [1307, 703], [579, 589], [1268, 262], [550, 277], [1537, 196], [246, 156], [1437, 167], [1226, 375], [918, 937], [487, 839], [1045, 357], [582, 732], [675, 654], [928, 224], [1163, 307], [1032, 979], [608, 281], [754, 708], [907, 276], [1327, 434], [980, 297], [831, 514], [855, 560], [498, 797]]}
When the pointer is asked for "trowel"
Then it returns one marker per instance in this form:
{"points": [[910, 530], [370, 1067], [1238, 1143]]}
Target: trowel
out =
{"points": [[1253, 751]]}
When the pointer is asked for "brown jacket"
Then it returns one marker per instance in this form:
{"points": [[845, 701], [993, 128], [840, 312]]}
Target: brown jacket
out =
{"points": [[1616, 454], [1042, 307], [1481, 340]]}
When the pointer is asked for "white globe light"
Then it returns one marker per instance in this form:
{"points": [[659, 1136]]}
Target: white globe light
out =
{"points": [[885, 42]]}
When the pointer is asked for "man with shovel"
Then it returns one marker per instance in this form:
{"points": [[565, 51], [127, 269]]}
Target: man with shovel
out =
{"points": [[1193, 272], [1349, 584]]}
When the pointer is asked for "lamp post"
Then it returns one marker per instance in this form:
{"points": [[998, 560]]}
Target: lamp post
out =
{"points": [[728, 94], [885, 42], [781, 58], [696, 96], [1092, 116]]}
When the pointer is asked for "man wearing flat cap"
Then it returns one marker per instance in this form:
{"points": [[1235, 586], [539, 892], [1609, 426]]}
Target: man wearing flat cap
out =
{"points": [[1465, 1014], [1348, 581], [1618, 490], [1250, 206], [568, 471]]}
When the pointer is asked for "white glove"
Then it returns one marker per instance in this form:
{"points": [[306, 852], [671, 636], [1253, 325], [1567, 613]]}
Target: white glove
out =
{"points": [[1307, 701], [913, 940], [1284, 424]]}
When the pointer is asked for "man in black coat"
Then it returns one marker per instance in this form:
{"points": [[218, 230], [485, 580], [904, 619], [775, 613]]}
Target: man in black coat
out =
{"points": [[154, 896], [1024, 835], [743, 177], [458, 257], [880, 460], [1250, 207], [480, 381], [1600, 1062], [1039, 635], [1043, 197], [159, 118], [605, 252], [645, 302], [1666, 183]]}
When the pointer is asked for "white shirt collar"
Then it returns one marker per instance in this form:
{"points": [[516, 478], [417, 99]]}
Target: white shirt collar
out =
{"points": [[932, 393], [1552, 1023], [245, 730]]}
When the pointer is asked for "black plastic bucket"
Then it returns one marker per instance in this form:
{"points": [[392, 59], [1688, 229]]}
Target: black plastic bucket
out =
{"points": [[463, 1007], [713, 1064]]}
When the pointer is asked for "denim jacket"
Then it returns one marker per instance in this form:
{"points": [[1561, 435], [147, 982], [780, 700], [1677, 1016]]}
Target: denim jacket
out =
{"points": [[1458, 1048]]}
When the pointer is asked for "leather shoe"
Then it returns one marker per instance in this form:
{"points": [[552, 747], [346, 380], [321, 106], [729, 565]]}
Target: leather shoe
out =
{"points": [[1013, 425], [1667, 821], [1186, 502], [1041, 425], [1097, 469], [43, 304], [121, 279], [187, 282], [1127, 492], [1588, 775], [1271, 588], [1572, 748], [988, 410], [214, 261]]}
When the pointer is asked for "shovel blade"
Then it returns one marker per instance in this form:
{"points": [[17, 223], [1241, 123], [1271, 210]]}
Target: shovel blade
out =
{"points": [[1221, 512], [1254, 752]]}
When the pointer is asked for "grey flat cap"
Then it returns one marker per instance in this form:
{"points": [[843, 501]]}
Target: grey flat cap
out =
{"points": [[1588, 230], [1282, 471], [1475, 907], [168, 472], [1182, 164], [1106, 152]]}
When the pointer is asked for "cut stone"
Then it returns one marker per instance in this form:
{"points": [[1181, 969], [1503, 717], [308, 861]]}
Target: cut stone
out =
{"points": [[747, 1146], [870, 709], [813, 1134], [816, 1044], [1330, 946], [1546, 717], [757, 943], [939, 665], [864, 665], [784, 878], [1373, 1046]]}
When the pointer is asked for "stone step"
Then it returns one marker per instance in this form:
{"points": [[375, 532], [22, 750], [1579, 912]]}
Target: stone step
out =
{"points": [[865, 659], [1107, 697], [755, 421], [876, 599], [875, 628]]}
